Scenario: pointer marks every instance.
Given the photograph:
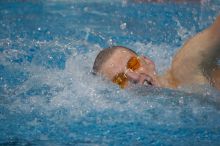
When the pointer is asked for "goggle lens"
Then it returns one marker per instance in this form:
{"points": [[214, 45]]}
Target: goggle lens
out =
{"points": [[121, 78], [133, 63]]}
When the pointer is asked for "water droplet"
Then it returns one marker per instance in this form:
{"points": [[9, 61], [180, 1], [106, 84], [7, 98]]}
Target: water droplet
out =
{"points": [[123, 26], [110, 42]]}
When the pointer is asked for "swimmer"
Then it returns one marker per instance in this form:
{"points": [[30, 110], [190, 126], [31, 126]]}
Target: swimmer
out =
{"points": [[196, 63]]}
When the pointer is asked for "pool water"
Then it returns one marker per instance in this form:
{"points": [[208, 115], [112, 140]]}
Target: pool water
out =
{"points": [[48, 95]]}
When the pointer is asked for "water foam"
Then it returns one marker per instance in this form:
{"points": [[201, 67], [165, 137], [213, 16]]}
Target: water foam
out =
{"points": [[79, 93]]}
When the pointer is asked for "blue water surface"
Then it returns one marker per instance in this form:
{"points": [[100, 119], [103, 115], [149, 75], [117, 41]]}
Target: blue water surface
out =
{"points": [[48, 95]]}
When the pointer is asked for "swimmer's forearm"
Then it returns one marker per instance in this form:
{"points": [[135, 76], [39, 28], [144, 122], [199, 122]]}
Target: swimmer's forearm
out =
{"points": [[215, 36], [199, 54], [204, 45], [216, 26]]}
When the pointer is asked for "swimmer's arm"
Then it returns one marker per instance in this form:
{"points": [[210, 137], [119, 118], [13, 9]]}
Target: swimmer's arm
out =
{"points": [[198, 57]]}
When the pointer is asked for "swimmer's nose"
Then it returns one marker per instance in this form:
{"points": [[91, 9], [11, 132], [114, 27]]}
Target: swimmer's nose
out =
{"points": [[139, 78], [133, 77]]}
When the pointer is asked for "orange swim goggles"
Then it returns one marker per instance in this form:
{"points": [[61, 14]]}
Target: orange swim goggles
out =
{"points": [[121, 78]]}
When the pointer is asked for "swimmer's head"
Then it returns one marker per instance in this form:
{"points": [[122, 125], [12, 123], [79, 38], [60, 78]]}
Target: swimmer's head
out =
{"points": [[124, 67]]}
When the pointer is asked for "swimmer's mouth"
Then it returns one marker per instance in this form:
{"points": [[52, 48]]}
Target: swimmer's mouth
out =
{"points": [[148, 81]]}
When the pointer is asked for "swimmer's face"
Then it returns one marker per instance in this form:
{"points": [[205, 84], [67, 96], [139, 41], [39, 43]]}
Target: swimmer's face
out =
{"points": [[125, 68]]}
